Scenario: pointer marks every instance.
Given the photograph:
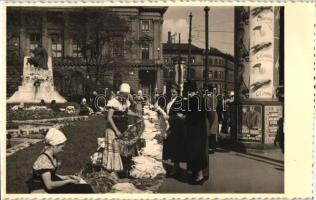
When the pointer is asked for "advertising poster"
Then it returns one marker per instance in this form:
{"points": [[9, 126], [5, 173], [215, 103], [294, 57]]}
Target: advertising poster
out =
{"points": [[272, 114], [261, 23], [250, 127]]}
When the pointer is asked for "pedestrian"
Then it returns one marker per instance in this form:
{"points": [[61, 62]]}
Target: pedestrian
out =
{"points": [[117, 124], [84, 108], [174, 145], [54, 106], [197, 137], [279, 138], [42, 103], [45, 167], [139, 101]]}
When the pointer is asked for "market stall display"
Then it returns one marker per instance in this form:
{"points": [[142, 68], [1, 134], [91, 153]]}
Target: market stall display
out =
{"points": [[143, 142]]}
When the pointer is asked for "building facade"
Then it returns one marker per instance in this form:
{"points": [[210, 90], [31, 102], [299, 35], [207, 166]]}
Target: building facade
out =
{"points": [[221, 66], [134, 57]]}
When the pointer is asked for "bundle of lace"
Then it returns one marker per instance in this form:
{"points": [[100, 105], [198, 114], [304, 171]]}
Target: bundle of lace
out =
{"points": [[127, 188], [152, 149], [146, 167]]}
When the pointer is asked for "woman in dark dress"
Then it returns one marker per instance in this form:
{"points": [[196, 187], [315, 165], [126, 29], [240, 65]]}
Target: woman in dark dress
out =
{"points": [[45, 167], [197, 137], [174, 145]]}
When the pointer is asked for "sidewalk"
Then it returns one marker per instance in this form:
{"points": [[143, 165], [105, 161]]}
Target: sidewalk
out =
{"points": [[233, 172]]}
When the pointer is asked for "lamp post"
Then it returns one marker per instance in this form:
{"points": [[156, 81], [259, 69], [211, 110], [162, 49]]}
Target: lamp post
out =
{"points": [[158, 50], [206, 10]]}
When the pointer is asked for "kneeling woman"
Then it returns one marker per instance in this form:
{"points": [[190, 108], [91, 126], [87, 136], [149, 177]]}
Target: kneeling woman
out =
{"points": [[44, 169], [117, 123]]}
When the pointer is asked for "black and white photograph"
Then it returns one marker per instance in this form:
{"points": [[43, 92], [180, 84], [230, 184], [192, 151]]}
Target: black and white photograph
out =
{"points": [[145, 99]]}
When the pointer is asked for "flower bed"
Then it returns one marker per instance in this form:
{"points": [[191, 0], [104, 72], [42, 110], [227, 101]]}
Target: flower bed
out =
{"points": [[36, 114]]}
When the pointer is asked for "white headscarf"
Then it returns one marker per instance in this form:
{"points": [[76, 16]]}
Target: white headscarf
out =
{"points": [[125, 88], [55, 137]]}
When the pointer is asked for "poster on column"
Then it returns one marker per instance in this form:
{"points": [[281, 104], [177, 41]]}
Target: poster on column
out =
{"points": [[261, 52], [272, 114], [250, 123]]}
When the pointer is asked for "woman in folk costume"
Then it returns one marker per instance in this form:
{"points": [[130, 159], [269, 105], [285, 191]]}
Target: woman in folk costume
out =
{"points": [[197, 136], [174, 145], [117, 123], [45, 167]]}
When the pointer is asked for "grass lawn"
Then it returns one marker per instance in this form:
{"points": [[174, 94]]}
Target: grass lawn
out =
{"points": [[82, 142]]}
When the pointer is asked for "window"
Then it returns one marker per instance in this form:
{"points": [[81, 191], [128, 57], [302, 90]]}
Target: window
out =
{"points": [[35, 41], [145, 25], [117, 47], [211, 61], [215, 74], [145, 51], [210, 74], [166, 60], [192, 61], [76, 51], [57, 49], [220, 75], [191, 73], [215, 62]]}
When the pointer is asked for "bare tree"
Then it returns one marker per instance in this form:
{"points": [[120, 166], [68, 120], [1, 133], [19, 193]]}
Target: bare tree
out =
{"points": [[103, 37]]}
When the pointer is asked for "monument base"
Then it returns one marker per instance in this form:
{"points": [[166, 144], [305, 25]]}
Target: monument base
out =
{"points": [[33, 95], [37, 85]]}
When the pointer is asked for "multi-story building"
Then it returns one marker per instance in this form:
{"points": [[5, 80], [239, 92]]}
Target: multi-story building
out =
{"points": [[54, 28], [221, 66]]}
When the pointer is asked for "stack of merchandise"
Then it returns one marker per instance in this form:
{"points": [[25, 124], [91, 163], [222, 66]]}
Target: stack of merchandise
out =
{"points": [[148, 165], [147, 172]]}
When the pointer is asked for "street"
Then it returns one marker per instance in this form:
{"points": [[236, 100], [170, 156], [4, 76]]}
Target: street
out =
{"points": [[232, 172]]}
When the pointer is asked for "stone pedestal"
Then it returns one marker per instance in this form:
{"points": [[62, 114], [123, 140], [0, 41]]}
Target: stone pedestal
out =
{"points": [[37, 84]]}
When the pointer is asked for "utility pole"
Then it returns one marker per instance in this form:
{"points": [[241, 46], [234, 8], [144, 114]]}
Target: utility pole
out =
{"points": [[179, 66], [206, 10], [189, 47]]}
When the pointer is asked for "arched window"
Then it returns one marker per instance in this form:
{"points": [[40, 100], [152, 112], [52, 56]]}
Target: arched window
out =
{"points": [[215, 74]]}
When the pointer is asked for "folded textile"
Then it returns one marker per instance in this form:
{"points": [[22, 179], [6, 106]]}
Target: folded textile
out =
{"points": [[152, 149], [146, 167], [127, 188]]}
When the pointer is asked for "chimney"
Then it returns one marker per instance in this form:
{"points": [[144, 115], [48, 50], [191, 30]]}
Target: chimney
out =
{"points": [[169, 38]]}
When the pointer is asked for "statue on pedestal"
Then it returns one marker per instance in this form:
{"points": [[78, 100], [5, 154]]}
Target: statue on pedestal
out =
{"points": [[37, 82]]}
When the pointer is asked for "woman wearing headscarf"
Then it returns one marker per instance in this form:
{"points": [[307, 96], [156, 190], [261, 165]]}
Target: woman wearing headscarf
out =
{"points": [[117, 123], [45, 167], [174, 145]]}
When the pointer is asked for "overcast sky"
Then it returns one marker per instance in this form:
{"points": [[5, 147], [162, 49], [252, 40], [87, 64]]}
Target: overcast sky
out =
{"points": [[221, 25]]}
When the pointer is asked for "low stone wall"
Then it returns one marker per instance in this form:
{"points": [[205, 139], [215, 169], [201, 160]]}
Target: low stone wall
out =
{"points": [[53, 120]]}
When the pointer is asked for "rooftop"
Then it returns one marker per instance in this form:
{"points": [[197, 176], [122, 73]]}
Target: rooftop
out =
{"points": [[184, 47]]}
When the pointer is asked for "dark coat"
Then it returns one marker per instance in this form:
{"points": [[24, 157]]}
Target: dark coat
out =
{"points": [[174, 145], [197, 137]]}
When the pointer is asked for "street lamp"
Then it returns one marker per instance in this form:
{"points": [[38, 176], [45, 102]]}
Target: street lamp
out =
{"points": [[158, 49]]}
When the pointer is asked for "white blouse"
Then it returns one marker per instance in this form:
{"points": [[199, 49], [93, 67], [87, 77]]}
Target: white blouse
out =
{"points": [[114, 103]]}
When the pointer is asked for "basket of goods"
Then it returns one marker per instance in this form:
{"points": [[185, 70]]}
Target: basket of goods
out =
{"points": [[100, 180], [131, 139]]}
